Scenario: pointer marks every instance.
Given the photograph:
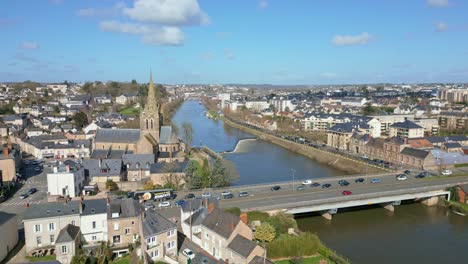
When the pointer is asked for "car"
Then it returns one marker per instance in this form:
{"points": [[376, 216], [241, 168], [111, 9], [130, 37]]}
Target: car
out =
{"points": [[188, 253], [189, 196], [446, 172], [225, 193], [301, 188], [164, 204], [422, 175], [228, 196], [243, 194], [402, 177], [148, 206], [359, 180], [179, 202], [207, 194], [307, 182], [375, 180], [130, 194], [276, 188], [407, 172], [32, 191], [326, 185], [24, 196], [365, 157], [315, 184], [346, 192], [343, 183]]}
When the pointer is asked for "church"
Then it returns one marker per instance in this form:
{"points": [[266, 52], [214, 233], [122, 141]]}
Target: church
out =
{"points": [[151, 138]]}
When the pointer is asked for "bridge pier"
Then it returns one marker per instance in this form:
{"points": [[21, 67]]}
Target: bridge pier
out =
{"points": [[327, 216], [430, 201], [389, 207]]}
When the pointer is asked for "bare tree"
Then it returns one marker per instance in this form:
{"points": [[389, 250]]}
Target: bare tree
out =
{"points": [[188, 135]]}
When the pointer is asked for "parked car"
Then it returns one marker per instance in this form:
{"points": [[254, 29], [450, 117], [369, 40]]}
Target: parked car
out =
{"points": [[326, 185], [243, 194], [401, 177], [207, 194], [24, 196], [343, 183], [359, 180], [301, 188], [446, 172], [189, 196], [346, 192], [407, 172], [179, 202], [422, 175], [32, 191], [164, 204], [376, 180], [228, 196], [276, 188], [188, 253], [307, 182], [365, 157], [315, 184], [148, 206], [224, 193]]}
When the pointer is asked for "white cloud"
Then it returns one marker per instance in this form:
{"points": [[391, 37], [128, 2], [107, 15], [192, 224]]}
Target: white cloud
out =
{"points": [[438, 3], [171, 36], [29, 45], [441, 26], [349, 40], [263, 4], [229, 54], [328, 74], [167, 12]]}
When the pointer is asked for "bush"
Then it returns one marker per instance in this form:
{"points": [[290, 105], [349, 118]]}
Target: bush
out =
{"points": [[287, 246], [233, 210], [257, 216], [282, 222], [111, 185]]}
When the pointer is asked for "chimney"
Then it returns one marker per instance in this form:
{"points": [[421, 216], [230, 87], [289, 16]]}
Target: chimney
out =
{"points": [[231, 226], [80, 207], [5, 152], [244, 218], [108, 201], [67, 168], [211, 207], [100, 162]]}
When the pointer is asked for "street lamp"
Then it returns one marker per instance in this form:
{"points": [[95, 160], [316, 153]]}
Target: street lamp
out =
{"points": [[293, 175]]}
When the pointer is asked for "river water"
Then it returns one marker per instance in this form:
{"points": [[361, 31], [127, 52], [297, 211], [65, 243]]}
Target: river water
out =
{"points": [[412, 234]]}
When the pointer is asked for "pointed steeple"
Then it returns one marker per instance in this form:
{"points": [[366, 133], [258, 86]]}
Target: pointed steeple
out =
{"points": [[151, 104]]}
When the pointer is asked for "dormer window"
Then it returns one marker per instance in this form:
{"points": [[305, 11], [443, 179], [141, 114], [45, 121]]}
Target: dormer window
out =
{"points": [[104, 170], [137, 165], [115, 215]]}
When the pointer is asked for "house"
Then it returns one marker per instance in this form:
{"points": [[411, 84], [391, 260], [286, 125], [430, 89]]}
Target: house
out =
{"points": [[9, 231], [102, 170], [339, 136], [14, 120], [10, 162], [452, 147], [159, 237], [93, 220], [138, 165], [125, 98], [67, 179], [4, 130], [34, 132], [164, 172], [419, 158], [67, 243], [406, 129], [102, 99]]}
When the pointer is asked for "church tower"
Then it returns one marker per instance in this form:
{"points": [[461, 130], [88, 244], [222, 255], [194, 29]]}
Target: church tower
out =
{"points": [[149, 118]]}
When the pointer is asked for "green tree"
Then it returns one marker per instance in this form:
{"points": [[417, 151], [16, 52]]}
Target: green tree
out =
{"points": [[111, 185], [192, 178], [46, 93], [79, 259], [368, 109], [265, 232], [188, 135], [87, 87], [233, 210], [80, 119]]}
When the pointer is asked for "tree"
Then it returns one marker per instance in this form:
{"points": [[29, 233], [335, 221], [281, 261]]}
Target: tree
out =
{"points": [[80, 119], [79, 259], [188, 135], [46, 93], [368, 109], [87, 87], [192, 178], [149, 185], [111, 185], [265, 232]]}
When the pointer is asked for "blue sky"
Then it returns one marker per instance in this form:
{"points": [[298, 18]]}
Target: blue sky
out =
{"points": [[235, 41]]}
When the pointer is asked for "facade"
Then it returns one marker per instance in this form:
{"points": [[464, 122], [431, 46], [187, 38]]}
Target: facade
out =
{"points": [[406, 129], [387, 120], [454, 121], [281, 104], [9, 231], [454, 95], [138, 165], [93, 220], [10, 161], [101, 170], [257, 105], [339, 136], [68, 241], [67, 179], [159, 237], [123, 223]]}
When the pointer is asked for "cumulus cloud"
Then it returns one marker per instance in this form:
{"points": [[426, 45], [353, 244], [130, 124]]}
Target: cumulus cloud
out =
{"points": [[263, 4], [29, 45], [438, 3], [165, 35], [441, 26], [350, 40], [167, 12]]}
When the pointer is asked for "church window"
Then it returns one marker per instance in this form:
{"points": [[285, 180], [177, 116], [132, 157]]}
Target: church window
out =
{"points": [[151, 123], [146, 123]]}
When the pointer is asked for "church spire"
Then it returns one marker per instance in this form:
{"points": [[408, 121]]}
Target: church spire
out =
{"points": [[151, 103]]}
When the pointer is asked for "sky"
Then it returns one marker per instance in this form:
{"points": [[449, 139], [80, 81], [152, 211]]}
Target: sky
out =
{"points": [[309, 42]]}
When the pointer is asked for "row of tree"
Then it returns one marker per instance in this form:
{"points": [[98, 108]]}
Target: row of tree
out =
{"points": [[199, 176]]}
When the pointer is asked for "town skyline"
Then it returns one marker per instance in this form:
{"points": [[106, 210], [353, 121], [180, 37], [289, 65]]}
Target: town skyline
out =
{"points": [[211, 42]]}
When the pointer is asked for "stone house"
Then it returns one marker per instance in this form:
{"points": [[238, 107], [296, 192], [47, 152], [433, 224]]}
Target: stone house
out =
{"points": [[67, 244], [159, 237]]}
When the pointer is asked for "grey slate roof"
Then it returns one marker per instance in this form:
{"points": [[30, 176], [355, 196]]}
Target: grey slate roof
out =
{"points": [[94, 206], [125, 207], [418, 153], [167, 137], [406, 124], [144, 161], [221, 222], [349, 127], [197, 217], [93, 168], [51, 210], [458, 138], [452, 145], [68, 234], [154, 224], [163, 167], [464, 187], [242, 246], [5, 217], [118, 135]]}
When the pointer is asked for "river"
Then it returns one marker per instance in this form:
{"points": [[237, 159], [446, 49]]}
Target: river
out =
{"points": [[412, 234]]}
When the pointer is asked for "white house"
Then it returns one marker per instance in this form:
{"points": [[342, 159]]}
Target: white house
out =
{"points": [[67, 179], [93, 219], [257, 105], [282, 104]]}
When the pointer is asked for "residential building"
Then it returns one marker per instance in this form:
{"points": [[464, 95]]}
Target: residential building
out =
{"points": [[162, 173], [282, 104], [93, 220], [10, 162], [102, 170], [387, 120], [67, 243], [138, 165], [454, 121], [125, 99], [257, 106], [159, 237], [339, 136], [67, 179], [454, 95], [9, 232], [406, 129]]}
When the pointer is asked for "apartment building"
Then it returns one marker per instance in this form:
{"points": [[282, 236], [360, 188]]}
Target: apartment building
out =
{"points": [[67, 179]]}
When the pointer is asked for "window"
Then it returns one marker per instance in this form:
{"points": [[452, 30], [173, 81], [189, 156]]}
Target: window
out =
{"points": [[206, 235], [116, 239], [127, 231], [94, 238], [137, 165], [171, 245], [64, 249], [51, 226], [38, 241], [133, 222], [170, 233], [37, 228], [94, 224], [155, 254], [73, 222], [52, 239], [135, 238]]}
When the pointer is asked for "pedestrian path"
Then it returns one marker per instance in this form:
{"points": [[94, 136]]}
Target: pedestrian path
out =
{"points": [[20, 203]]}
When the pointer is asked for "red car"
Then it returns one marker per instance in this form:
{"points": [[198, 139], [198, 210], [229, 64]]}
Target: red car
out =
{"points": [[347, 193]]}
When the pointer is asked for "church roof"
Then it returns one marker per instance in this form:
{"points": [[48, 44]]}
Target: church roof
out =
{"points": [[118, 135], [167, 137]]}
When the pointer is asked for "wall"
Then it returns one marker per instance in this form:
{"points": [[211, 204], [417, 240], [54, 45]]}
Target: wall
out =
{"points": [[9, 232], [87, 227]]}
